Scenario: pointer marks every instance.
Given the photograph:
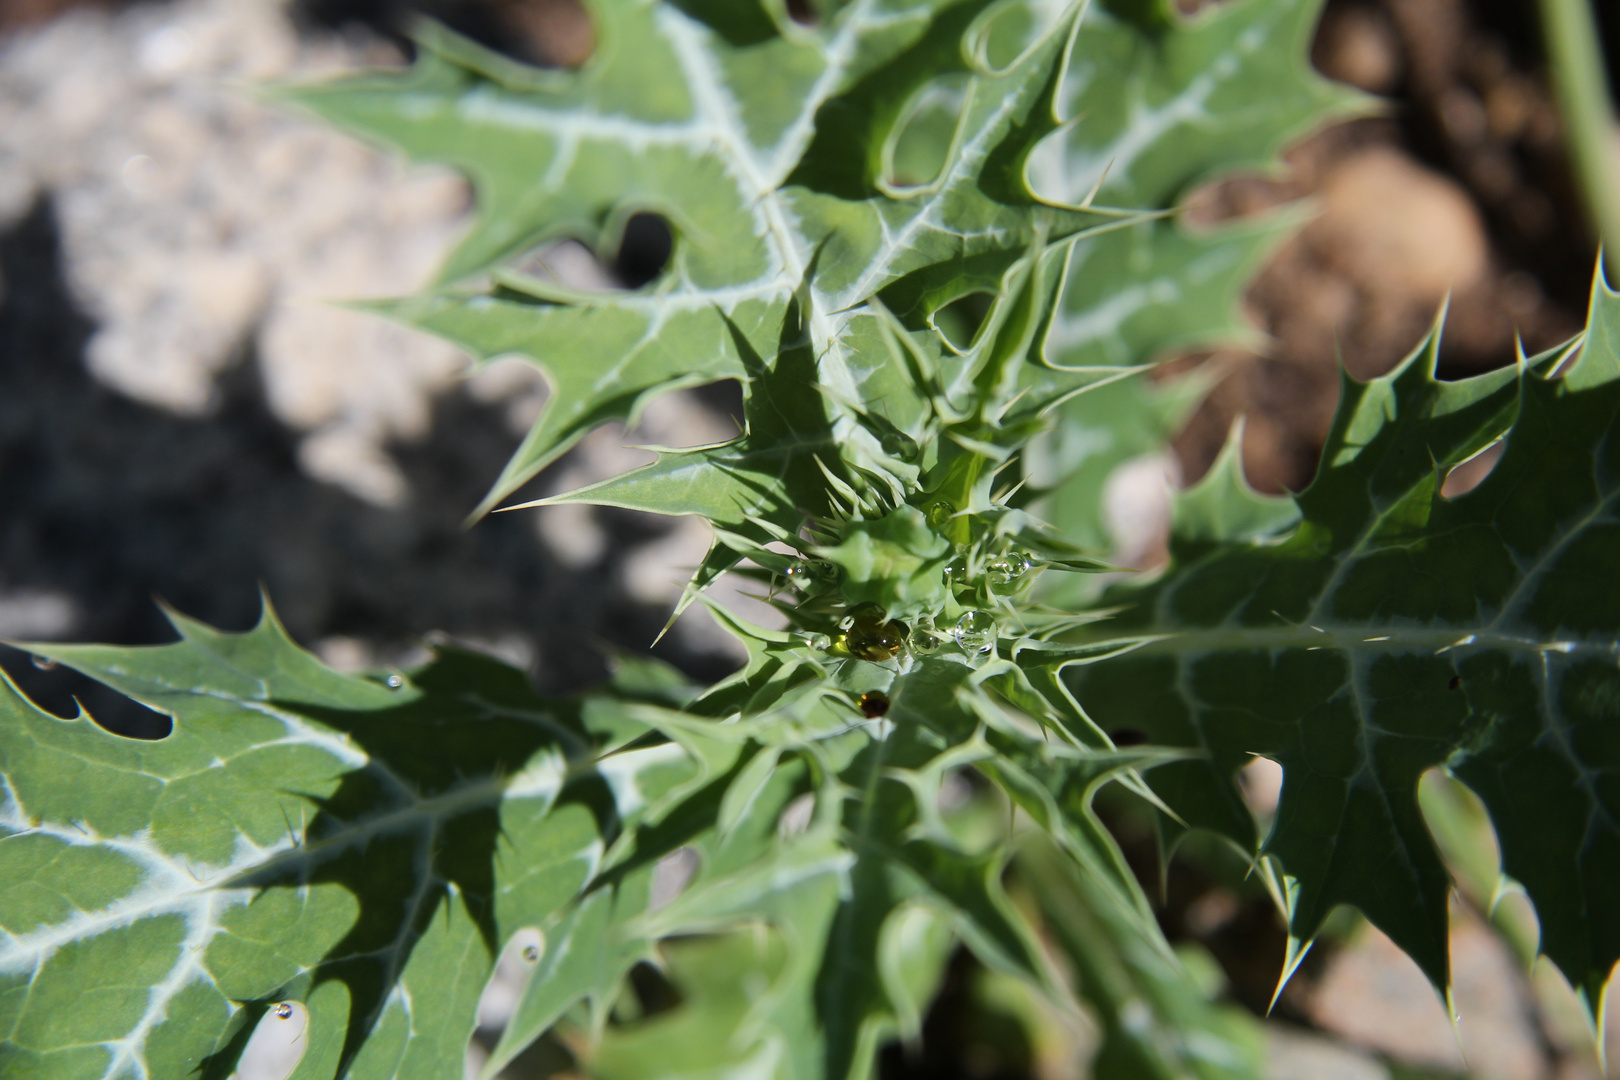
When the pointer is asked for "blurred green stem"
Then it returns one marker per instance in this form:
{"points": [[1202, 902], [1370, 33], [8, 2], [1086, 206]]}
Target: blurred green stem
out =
{"points": [[1575, 54]]}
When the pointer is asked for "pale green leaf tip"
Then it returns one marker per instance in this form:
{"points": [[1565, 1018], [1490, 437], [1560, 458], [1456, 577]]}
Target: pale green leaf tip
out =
{"points": [[1293, 957], [1223, 507]]}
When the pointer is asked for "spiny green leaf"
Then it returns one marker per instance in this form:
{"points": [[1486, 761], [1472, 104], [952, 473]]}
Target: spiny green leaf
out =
{"points": [[1394, 630], [720, 132], [1156, 1021], [411, 829], [362, 847], [1156, 110]]}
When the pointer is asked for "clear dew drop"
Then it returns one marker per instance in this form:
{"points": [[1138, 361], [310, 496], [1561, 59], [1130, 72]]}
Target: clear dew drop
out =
{"points": [[924, 639], [531, 954], [939, 514], [282, 1010], [1007, 570], [897, 444], [394, 682], [803, 573], [819, 642], [44, 663], [976, 632]]}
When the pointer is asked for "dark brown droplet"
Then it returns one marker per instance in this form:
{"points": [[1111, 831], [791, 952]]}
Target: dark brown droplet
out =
{"points": [[1456, 681], [874, 703], [1128, 736]]}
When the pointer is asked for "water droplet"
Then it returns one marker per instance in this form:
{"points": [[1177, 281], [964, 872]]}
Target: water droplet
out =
{"points": [[394, 682], [1008, 569], [820, 642], [898, 444], [44, 663], [924, 638], [976, 632], [874, 703], [531, 953], [925, 642], [940, 513], [282, 1010], [802, 573], [870, 636]]}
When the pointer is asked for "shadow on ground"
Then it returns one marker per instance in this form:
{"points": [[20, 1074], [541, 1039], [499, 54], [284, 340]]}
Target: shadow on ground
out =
{"points": [[111, 503]]}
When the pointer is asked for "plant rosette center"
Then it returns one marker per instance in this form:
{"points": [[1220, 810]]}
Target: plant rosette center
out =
{"points": [[894, 586]]}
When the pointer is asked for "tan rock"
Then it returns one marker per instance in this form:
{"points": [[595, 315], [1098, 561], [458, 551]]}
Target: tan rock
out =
{"points": [[1398, 229], [1374, 996]]}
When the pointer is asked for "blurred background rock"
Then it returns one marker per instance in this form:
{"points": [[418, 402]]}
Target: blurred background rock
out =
{"points": [[184, 417]]}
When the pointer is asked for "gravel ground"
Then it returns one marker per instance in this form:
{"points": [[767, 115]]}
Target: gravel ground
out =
{"points": [[184, 416]]}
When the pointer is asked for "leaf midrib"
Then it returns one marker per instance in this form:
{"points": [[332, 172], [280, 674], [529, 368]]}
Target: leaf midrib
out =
{"points": [[1349, 638]]}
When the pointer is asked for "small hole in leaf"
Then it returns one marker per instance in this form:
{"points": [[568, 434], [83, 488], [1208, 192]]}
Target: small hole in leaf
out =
{"points": [[922, 141], [961, 319], [547, 1056], [684, 419], [1128, 736], [542, 33], [513, 968], [956, 790], [1468, 475], [724, 398], [1461, 828], [567, 263], [671, 876], [61, 691], [1261, 782], [796, 816], [277, 1043], [652, 990], [1008, 33], [644, 249]]}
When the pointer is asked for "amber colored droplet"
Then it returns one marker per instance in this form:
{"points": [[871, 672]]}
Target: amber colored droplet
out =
{"points": [[1456, 681], [283, 1011], [1128, 736], [869, 636], [874, 703]]}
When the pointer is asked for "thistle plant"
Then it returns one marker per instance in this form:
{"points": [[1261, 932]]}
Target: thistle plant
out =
{"points": [[918, 493]]}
